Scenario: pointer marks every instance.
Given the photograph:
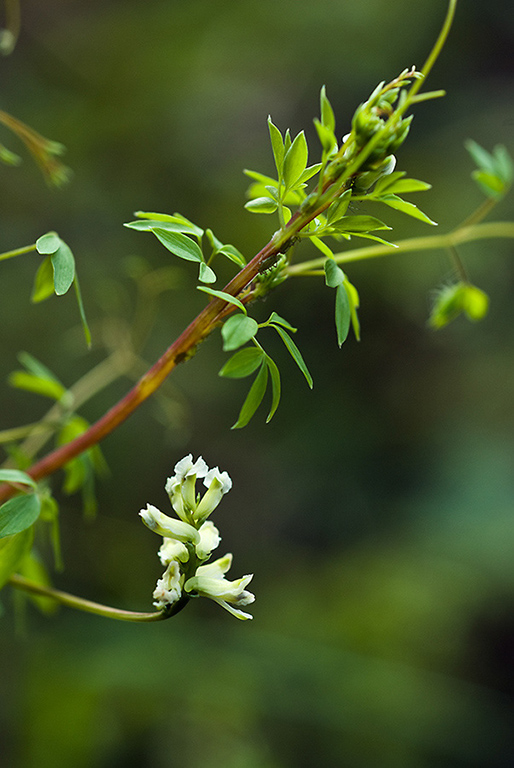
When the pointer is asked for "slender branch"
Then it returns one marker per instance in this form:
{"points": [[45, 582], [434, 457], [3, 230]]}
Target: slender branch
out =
{"points": [[434, 53], [490, 230], [79, 603], [17, 252], [121, 361]]}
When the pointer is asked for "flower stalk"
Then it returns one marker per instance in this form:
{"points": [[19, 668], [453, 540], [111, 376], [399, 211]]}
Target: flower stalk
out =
{"points": [[79, 603]]}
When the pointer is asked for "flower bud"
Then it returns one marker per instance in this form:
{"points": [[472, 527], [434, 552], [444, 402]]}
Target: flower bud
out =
{"points": [[218, 483], [169, 587]]}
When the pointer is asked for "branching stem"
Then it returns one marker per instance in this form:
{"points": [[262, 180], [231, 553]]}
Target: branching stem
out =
{"points": [[490, 230]]}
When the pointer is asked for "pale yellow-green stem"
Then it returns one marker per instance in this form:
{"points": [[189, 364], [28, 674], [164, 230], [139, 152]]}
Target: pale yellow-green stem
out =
{"points": [[17, 252], [79, 603], [487, 231]]}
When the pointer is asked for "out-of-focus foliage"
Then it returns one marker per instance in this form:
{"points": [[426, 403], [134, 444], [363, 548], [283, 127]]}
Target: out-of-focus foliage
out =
{"points": [[376, 511]]}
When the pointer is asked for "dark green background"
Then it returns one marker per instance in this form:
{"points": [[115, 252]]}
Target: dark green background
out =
{"points": [[376, 511]]}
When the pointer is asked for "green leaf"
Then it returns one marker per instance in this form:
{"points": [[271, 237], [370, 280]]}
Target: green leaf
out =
{"points": [[13, 549], [353, 297], [295, 160], [50, 514], [309, 172], [495, 170], [16, 476], [277, 145], [483, 159], [216, 244], [222, 295], [232, 253], [38, 378], [8, 157], [402, 186], [227, 250], [80, 471], [169, 226], [253, 398], [43, 281], [402, 205], [343, 314], [339, 207], [367, 236], [291, 197], [327, 113], [275, 387], [326, 137], [206, 274], [504, 163], [153, 215], [261, 205], [321, 246], [386, 181], [36, 367], [31, 383], [261, 178], [242, 363], [272, 192], [277, 320], [238, 330], [334, 275], [361, 224], [179, 244], [490, 184], [177, 218], [63, 264], [82, 312], [75, 474], [48, 243], [18, 514], [295, 353]]}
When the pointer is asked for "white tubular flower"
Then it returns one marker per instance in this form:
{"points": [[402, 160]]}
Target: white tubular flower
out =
{"points": [[171, 549], [173, 488], [209, 540], [168, 527], [218, 484], [185, 467], [223, 477], [209, 581], [181, 488], [169, 587]]}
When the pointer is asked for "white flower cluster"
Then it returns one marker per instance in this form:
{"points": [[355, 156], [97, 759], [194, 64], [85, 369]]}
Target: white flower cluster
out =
{"points": [[189, 541]]}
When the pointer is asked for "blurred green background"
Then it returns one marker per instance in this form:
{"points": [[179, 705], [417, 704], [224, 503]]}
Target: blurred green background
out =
{"points": [[376, 511]]}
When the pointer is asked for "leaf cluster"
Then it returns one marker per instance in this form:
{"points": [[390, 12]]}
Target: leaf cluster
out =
{"points": [[495, 170], [17, 519], [184, 239], [57, 273], [236, 332]]}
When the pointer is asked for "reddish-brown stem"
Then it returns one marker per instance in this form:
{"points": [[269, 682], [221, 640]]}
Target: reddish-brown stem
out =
{"points": [[179, 351]]}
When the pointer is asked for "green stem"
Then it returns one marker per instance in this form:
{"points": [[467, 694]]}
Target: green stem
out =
{"points": [[480, 213], [490, 230], [17, 252], [436, 50], [458, 264], [80, 604]]}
